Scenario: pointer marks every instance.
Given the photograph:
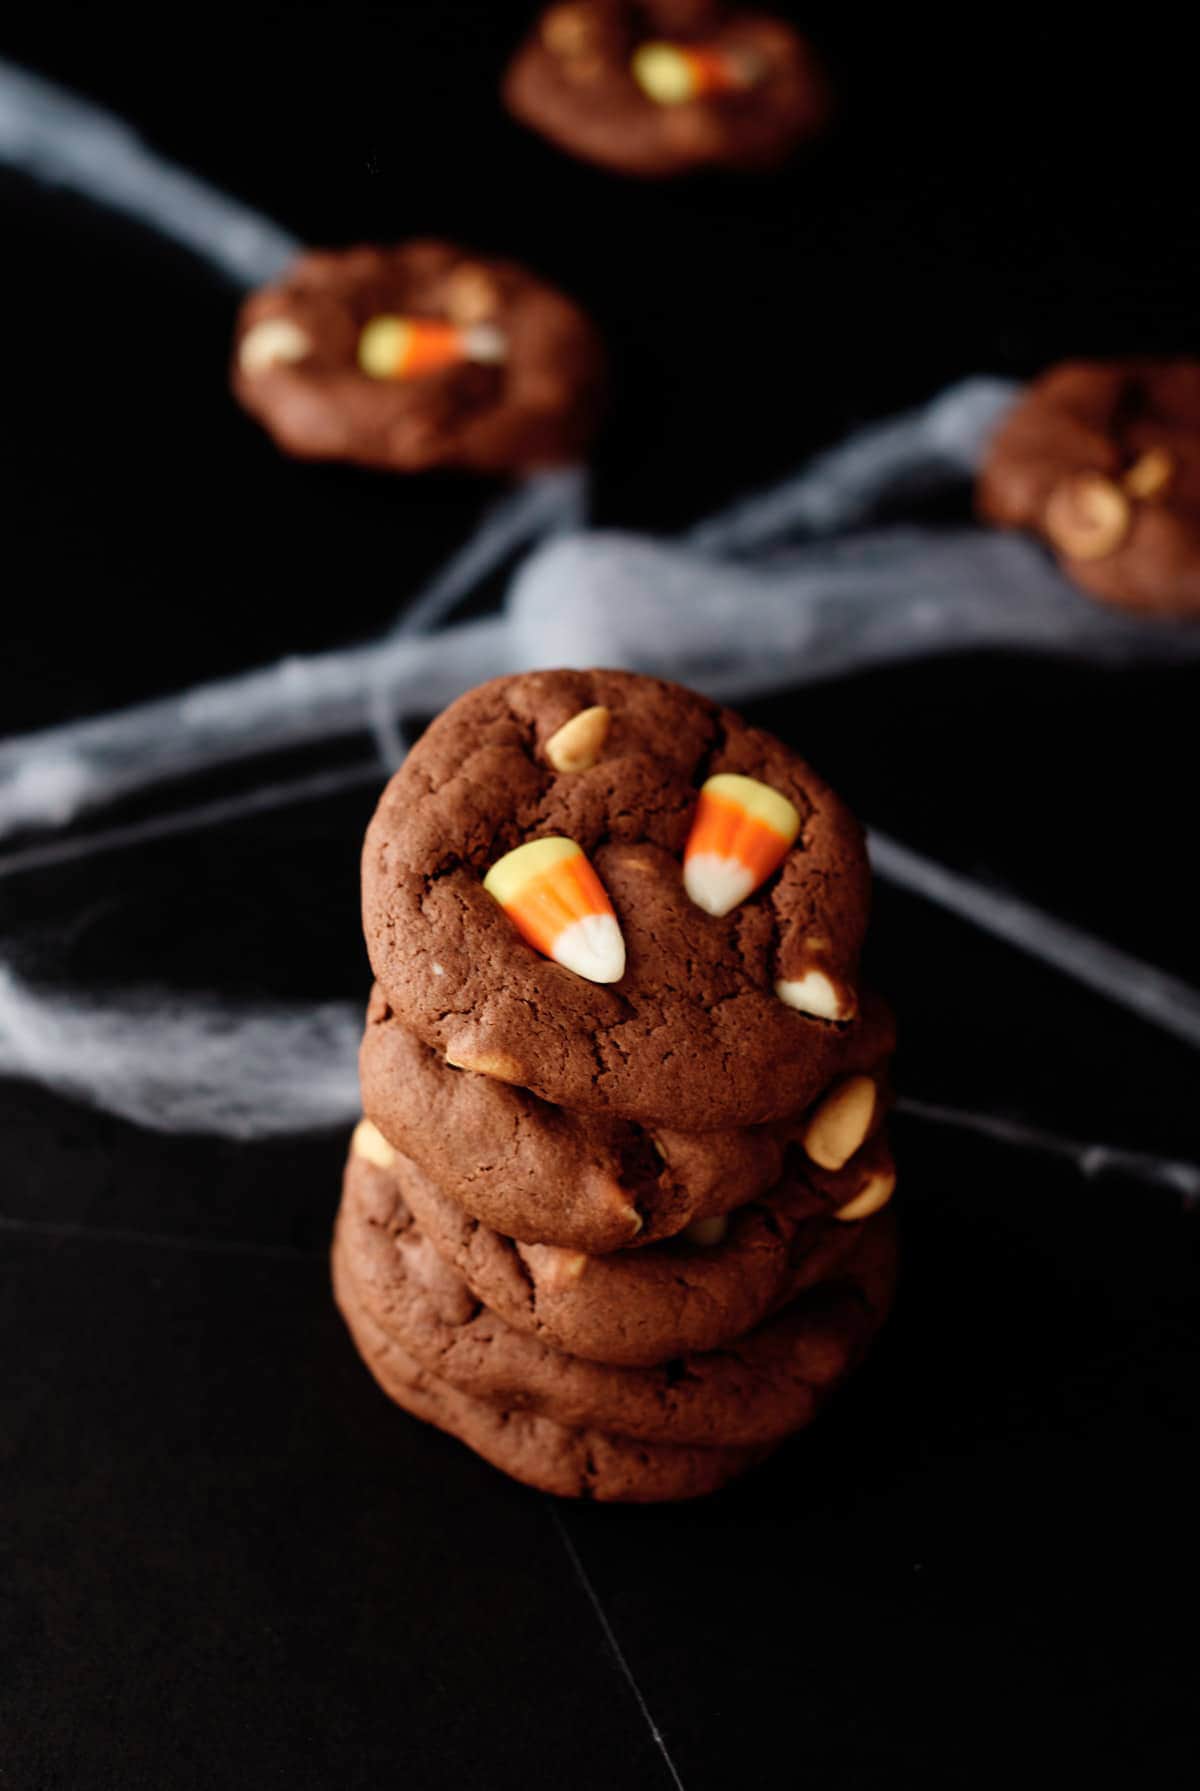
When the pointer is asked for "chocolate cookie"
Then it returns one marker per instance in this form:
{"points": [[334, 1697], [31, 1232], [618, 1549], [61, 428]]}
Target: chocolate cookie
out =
{"points": [[755, 1391], [575, 1464], [589, 1182], [1102, 459], [704, 1020], [664, 86], [638, 1310], [419, 356]]}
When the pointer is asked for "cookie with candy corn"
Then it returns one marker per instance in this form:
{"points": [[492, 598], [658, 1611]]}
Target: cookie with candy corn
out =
{"points": [[419, 356], [659, 87], [547, 820], [741, 834], [770, 1386], [557, 903], [592, 1183], [701, 1290]]}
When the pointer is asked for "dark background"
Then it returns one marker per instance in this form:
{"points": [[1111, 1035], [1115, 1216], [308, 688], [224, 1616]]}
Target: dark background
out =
{"points": [[229, 1562]]}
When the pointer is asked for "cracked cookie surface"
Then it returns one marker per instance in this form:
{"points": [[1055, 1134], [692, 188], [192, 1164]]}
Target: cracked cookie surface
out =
{"points": [[753, 1392], [590, 1182], [1102, 460], [296, 366], [694, 1035]]}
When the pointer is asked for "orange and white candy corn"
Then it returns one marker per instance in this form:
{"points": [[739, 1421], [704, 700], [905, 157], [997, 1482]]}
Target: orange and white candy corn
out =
{"points": [[407, 347], [743, 830], [558, 904], [672, 74]]}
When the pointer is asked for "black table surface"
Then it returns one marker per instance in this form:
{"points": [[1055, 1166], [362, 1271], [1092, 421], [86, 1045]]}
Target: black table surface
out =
{"points": [[228, 1561]]}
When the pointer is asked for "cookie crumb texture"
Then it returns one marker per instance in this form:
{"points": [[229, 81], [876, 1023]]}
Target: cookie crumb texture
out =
{"points": [[1102, 460], [694, 1035], [297, 368], [575, 80]]}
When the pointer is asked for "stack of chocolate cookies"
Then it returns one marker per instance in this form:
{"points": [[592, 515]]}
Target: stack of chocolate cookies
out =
{"points": [[614, 1216]]}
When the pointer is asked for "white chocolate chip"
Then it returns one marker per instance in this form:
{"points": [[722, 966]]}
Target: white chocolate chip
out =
{"points": [[1087, 517], [706, 1232], [369, 1142], [271, 343], [840, 1123], [879, 1188], [814, 994], [439, 970], [579, 742]]}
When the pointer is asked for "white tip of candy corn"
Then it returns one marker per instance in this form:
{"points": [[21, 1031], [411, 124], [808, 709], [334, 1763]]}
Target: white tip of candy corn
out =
{"points": [[716, 884], [592, 946], [486, 343], [813, 993]]}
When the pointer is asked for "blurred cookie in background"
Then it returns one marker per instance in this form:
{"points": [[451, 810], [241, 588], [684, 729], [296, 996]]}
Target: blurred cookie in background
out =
{"points": [[665, 86], [419, 356], [1102, 460]]}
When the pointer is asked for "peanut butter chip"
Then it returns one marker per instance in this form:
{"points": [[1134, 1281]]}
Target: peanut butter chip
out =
{"points": [[557, 1270], [486, 1063], [471, 294], [1087, 517], [369, 1142], [840, 1123], [579, 742], [878, 1191], [1149, 474]]}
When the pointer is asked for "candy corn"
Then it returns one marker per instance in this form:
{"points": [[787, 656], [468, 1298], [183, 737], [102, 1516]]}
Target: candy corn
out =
{"points": [[406, 347], [741, 833], [671, 74], [556, 901]]}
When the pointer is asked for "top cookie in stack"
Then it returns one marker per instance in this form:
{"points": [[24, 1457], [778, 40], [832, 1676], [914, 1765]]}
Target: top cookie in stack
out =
{"points": [[616, 935]]}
